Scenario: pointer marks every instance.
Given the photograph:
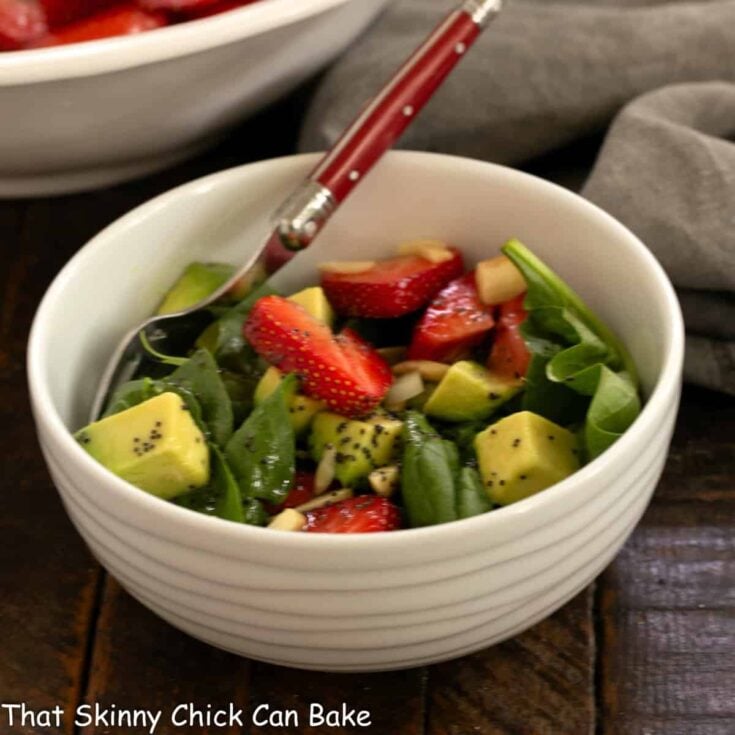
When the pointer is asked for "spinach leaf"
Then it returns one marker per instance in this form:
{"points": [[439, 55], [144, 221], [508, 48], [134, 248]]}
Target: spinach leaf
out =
{"points": [[262, 451], [615, 406], [137, 391], [573, 352], [241, 390], [546, 289], [254, 513], [200, 376], [222, 497], [130, 394], [224, 338], [428, 473], [463, 436], [472, 500], [229, 501]]}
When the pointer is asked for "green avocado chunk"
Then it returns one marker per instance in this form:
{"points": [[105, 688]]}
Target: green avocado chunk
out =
{"points": [[361, 445], [301, 409], [315, 303], [523, 454], [155, 445], [469, 392], [196, 283]]}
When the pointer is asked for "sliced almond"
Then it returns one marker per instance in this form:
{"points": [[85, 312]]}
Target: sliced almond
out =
{"points": [[435, 251], [384, 481], [335, 496], [288, 520], [325, 469], [404, 388], [498, 280], [392, 355], [431, 371], [346, 267]]}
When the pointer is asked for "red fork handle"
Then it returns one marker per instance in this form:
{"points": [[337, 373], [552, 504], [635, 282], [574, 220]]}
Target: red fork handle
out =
{"points": [[381, 123]]}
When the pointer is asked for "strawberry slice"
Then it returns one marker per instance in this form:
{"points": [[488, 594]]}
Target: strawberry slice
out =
{"points": [[301, 492], [454, 323], [120, 20], [509, 355], [343, 371], [176, 5], [363, 514], [60, 12], [21, 22], [391, 287], [215, 8]]}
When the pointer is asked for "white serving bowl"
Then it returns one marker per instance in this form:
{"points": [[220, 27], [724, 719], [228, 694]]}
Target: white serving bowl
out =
{"points": [[86, 115], [376, 601]]}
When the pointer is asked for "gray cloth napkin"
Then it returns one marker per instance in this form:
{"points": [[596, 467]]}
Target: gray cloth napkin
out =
{"points": [[658, 76]]}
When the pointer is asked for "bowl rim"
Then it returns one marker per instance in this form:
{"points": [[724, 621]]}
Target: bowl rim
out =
{"points": [[107, 55], [663, 394]]}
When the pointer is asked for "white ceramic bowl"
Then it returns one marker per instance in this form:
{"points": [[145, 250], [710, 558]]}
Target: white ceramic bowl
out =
{"points": [[87, 115], [370, 602]]}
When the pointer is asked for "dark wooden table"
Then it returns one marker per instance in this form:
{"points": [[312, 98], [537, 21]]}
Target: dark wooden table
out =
{"points": [[648, 649]]}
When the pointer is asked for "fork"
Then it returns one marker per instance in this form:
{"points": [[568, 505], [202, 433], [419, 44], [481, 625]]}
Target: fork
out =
{"points": [[303, 215]]}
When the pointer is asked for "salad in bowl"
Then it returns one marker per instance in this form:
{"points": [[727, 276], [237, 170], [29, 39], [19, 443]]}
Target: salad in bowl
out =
{"points": [[399, 393]]}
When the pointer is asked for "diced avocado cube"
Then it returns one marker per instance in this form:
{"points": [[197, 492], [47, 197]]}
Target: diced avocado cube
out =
{"points": [[361, 445], [301, 409], [155, 445], [198, 281], [315, 302], [523, 454], [469, 392]]}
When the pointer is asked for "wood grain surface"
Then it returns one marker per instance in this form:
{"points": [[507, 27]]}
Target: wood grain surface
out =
{"points": [[649, 651]]}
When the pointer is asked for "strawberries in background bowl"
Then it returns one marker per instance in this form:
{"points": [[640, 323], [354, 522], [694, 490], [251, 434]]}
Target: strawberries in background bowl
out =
{"points": [[21, 23], [26, 24]]}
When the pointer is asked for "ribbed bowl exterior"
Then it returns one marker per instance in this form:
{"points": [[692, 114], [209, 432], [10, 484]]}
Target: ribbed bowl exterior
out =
{"points": [[354, 620], [373, 601]]}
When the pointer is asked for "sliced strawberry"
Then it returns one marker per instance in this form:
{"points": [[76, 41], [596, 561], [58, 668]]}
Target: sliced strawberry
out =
{"points": [[361, 355], [301, 492], [60, 12], [363, 514], [509, 355], [343, 371], [391, 287], [176, 5], [220, 6], [453, 324], [21, 22], [120, 20]]}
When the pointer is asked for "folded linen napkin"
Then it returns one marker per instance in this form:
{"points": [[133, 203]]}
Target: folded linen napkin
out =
{"points": [[658, 76]]}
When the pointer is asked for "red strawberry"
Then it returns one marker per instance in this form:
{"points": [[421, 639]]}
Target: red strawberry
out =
{"points": [[363, 514], [391, 287], [219, 6], [21, 21], [345, 372], [301, 492], [120, 20], [509, 355], [60, 12], [175, 5], [454, 322]]}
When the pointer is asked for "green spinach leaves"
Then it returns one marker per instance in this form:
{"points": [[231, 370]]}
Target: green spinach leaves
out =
{"points": [[580, 371], [262, 452]]}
